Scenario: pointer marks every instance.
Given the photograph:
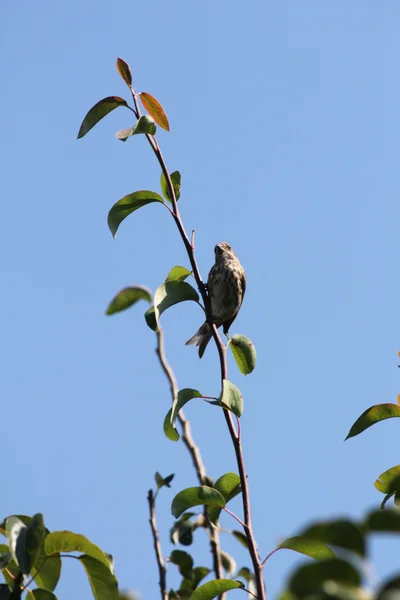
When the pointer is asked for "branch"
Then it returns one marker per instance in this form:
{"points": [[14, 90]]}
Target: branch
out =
{"points": [[157, 547], [193, 449], [222, 358]]}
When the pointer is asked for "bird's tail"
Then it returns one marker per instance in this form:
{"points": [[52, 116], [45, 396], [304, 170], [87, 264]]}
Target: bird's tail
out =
{"points": [[201, 338]]}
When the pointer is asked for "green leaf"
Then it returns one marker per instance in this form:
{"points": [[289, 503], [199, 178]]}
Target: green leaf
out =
{"points": [[41, 594], [195, 496], [47, 570], [66, 541], [98, 111], [161, 482], [215, 588], [383, 521], [340, 532], [124, 134], [241, 538], [373, 415], [178, 274], [190, 583], [144, 124], [244, 353], [155, 109], [127, 297], [125, 71], [232, 398], [228, 486], [309, 578], [176, 184], [183, 560], [389, 481], [313, 548], [102, 580], [11, 570], [182, 530], [5, 559], [16, 535], [127, 205], [34, 539], [228, 563], [170, 293], [150, 318], [169, 422]]}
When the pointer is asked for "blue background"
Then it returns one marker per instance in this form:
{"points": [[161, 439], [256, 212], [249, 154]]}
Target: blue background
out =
{"points": [[284, 125]]}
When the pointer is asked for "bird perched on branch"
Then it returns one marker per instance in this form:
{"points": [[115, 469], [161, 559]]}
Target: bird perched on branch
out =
{"points": [[226, 287]]}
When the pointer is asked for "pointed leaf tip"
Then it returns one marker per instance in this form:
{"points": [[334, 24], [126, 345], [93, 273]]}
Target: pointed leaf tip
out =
{"points": [[155, 109], [374, 414], [98, 112], [127, 297], [127, 205], [124, 70]]}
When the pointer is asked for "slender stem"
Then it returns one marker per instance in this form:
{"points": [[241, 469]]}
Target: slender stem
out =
{"points": [[192, 448], [269, 555], [234, 516], [248, 528], [157, 547]]}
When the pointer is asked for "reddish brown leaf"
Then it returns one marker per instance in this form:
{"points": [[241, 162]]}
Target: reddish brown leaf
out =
{"points": [[155, 109], [125, 71]]}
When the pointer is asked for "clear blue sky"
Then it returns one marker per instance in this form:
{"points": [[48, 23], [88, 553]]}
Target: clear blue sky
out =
{"points": [[285, 126]]}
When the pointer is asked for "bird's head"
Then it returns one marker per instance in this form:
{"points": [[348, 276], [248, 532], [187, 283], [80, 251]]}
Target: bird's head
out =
{"points": [[223, 251]]}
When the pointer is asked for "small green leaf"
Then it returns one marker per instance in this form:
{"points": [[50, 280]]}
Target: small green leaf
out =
{"points": [[339, 532], [228, 486], [183, 560], [176, 183], [373, 415], [16, 535], [144, 124], [161, 482], [5, 559], [127, 297], [47, 570], [182, 530], [244, 353], [66, 541], [310, 577], [215, 588], [190, 583], [241, 538], [383, 521], [232, 397], [178, 274], [34, 539], [124, 70], [313, 548], [195, 496], [41, 594], [389, 481], [170, 293], [127, 205], [179, 402], [150, 317], [98, 111], [228, 563], [123, 134], [155, 109], [102, 580]]}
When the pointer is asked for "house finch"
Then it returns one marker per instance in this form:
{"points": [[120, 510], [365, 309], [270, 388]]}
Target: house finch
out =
{"points": [[226, 287]]}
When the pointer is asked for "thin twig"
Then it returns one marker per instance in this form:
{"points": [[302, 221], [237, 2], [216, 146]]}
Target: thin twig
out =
{"points": [[269, 555], [223, 364], [234, 516], [192, 448], [157, 547]]}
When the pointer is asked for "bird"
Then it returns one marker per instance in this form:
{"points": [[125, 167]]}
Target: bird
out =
{"points": [[226, 286]]}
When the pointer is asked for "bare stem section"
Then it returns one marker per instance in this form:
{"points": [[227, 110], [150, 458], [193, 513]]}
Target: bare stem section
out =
{"points": [[157, 547]]}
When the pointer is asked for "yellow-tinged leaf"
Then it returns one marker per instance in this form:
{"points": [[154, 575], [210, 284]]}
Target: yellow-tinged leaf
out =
{"points": [[374, 414], [155, 109], [124, 70]]}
